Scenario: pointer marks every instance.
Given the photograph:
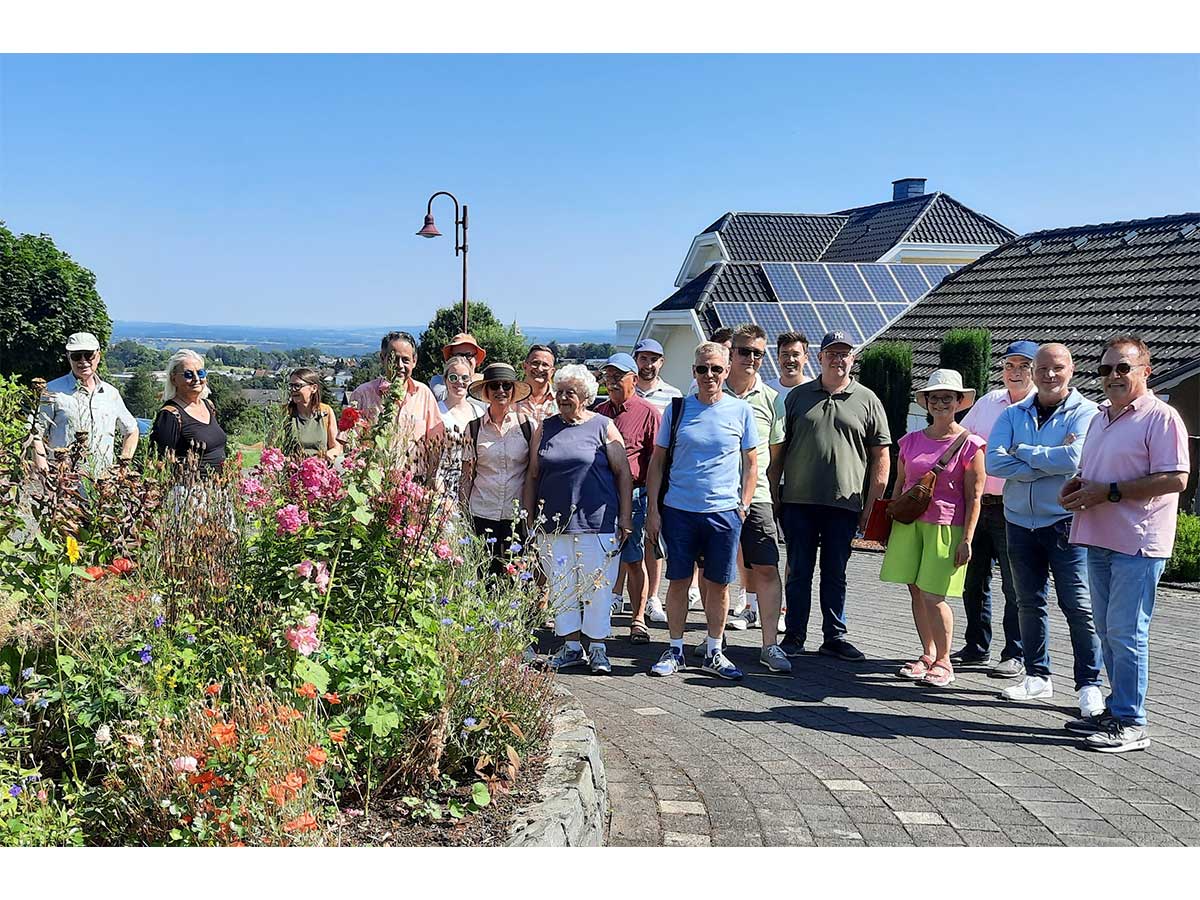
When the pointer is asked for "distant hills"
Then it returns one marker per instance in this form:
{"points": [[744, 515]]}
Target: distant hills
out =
{"points": [[334, 341]]}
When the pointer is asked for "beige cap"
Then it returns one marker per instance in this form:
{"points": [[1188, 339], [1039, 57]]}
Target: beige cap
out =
{"points": [[82, 340]]}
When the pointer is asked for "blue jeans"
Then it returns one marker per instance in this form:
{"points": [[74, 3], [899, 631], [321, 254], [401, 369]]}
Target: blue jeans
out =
{"points": [[1034, 555], [990, 544], [807, 527], [1123, 590]]}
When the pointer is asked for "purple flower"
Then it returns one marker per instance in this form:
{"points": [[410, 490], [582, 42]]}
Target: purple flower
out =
{"points": [[467, 722], [43, 703], [191, 639], [3, 731], [14, 791], [466, 682], [515, 548], [464, 540], [468, 628], [4, 689], [27, 673], [490, 541], [526, 576], [18, 701], [159, 621], [144, 655], [447, 621], [444, 601], [497, 625]]}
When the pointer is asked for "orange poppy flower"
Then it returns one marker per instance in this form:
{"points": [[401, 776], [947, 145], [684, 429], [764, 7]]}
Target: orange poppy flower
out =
{"points": [[316, 757], [338, 736], [209, 712], [304, 822], [96, 572], [279, 793], [264, 728], [224, 735], [212, 690], [293, 781], [289, 714], [307, 690], [332, 698], [121, 566]]}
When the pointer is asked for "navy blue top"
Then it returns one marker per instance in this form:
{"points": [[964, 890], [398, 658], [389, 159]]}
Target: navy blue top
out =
{"points": [[576, 486]]}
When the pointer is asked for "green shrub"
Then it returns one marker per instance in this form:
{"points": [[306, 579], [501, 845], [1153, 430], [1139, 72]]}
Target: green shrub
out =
{"points": [[969, 352], [1184, 564], [886, 368]]}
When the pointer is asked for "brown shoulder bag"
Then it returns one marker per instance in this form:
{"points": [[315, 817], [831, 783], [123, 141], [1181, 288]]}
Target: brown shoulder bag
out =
{"points": [[911, 505]]}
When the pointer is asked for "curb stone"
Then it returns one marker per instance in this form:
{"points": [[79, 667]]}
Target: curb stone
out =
{"points": [[573, 794]]}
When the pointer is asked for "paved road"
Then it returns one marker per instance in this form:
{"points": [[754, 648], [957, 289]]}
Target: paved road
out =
{"points": [[847, 754]]}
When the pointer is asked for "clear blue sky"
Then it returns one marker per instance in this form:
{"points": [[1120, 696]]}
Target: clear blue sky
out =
{"points": [[286, 189]]}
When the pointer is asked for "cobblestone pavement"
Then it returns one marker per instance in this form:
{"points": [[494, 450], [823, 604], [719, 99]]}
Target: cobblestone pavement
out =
{"points": [[840, 753]]}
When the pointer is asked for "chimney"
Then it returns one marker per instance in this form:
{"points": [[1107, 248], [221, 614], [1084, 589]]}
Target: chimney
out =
{"points": [[903, 188]]}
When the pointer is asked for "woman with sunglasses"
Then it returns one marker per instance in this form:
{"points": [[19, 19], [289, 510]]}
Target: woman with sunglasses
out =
{"points": [[495, 460], [579, 497], [311, 424], [187, 426], [458, 410]]}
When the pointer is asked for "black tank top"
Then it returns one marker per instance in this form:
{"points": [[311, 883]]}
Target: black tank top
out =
{"points": [[184, 434]]}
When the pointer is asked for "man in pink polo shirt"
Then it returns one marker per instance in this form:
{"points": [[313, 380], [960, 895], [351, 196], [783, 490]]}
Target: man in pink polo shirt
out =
{"points": [[1134, 462], [990, 542], [419, 423]]}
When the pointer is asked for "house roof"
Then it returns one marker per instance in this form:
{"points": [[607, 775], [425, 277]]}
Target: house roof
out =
{"points": [[1078, 286], [860, 234]]}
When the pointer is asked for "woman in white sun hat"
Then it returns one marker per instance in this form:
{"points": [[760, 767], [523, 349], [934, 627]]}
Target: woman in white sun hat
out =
{"points": [[929, 554]]}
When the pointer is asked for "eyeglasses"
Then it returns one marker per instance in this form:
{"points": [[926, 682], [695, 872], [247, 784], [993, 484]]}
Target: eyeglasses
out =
{"points": [[1121, 368], [458, 379], [296, 386], [81, 355], [838, 354], [614, 378], [197, 375], [505, 386], [940, 399], [705, 370], [750, 352]]}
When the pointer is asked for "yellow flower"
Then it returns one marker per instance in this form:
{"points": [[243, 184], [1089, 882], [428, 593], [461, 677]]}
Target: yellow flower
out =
{"points": [[72, 549]]}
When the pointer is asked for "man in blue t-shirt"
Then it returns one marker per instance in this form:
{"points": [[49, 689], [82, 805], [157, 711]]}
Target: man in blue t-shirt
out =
{"points": [[713, 471]]}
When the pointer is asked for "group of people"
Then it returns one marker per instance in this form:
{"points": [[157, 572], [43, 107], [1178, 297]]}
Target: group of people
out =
{"points": [[1034, 477]]}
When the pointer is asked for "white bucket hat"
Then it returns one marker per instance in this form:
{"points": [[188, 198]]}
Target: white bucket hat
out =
{"points": [[946, 380]]}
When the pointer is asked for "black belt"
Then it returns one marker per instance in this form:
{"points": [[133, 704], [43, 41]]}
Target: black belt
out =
{"points": [[992, 500]]}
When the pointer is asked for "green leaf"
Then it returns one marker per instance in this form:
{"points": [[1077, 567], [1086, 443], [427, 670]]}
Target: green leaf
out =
{"points": [[307, 670], [381, 719], [362, 515], [480, 795], [66, 663]]}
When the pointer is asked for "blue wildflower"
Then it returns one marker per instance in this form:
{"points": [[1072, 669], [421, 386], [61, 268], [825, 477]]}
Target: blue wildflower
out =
{"points": [[562, 561], [526, 576], [18, 701], [29, 779], [14, 791], [43, 703], [468, 628], [27, 673], [464, 540], [466, 682], [472, 583], [144, 654], [3, 731], [159, 621], [467, 722], [447, 621], [497, 625], [490, 541], [191, 639], [4, 689], [515, 548], [513, 605], [444, 601]]}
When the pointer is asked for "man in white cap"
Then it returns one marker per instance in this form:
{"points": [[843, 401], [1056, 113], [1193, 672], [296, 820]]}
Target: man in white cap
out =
{"points": [[81, 402]]}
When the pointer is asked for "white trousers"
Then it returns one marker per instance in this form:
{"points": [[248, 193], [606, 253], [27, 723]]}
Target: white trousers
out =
{"points": [[580, 569]]}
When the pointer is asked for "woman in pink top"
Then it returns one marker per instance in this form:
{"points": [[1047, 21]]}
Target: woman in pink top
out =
{"points": [[930, 555]]}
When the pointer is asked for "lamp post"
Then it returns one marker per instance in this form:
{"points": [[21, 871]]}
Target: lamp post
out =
{"points": [[429, 230]]}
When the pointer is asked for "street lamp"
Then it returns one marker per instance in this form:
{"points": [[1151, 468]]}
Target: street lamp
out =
{"points": [[429, 230]]}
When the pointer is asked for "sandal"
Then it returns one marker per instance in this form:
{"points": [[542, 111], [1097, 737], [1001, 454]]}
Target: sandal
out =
{"points": [[939, 675], [639, 633], [915, 671]]}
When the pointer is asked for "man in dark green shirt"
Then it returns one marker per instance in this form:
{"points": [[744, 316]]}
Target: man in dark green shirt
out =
{"points": [[835, 430]]}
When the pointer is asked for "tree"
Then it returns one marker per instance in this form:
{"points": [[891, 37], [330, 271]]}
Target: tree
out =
{"points": [[227, 397], [968, 351], [503, 344], [143, 395], [44, 297], [886, 368], [132, 355]]}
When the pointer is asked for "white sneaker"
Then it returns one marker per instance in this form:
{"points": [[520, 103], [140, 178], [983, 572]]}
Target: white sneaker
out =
{"points": [[782, 627], [1091, 701], [1031, 688], [618, 604], [747, 618], [694, 598], [737, 600], [655, 612]]}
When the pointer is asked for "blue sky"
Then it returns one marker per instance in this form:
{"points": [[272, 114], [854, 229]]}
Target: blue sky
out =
{"points": [[285, 190]]}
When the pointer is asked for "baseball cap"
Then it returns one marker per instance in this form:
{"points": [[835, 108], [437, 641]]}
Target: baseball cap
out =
{"points": [[622, 361], [648, 345], [1027, 349], [836, 337], [82, 340]]}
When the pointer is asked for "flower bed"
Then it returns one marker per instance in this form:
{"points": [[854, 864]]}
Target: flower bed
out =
{"points": [[238, 658]]}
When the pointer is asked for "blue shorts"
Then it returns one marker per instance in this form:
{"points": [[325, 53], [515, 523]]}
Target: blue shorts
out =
{"points": [[690, 536], [633, 551]]}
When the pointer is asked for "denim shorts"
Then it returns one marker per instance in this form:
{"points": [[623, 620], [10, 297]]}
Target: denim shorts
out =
{"points": [[690, 536], [634, 551]]}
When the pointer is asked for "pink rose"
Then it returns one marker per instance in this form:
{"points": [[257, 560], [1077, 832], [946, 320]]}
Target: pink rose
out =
{"points": [[184, 764], [303, 640]]}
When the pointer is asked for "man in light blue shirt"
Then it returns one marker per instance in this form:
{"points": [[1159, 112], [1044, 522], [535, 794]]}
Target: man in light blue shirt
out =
{"points": [[711, 477], [1035, 446]]}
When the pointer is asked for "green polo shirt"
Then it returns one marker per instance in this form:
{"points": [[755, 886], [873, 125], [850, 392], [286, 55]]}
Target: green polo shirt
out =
{"points": [[769, 422], [828, 441]]}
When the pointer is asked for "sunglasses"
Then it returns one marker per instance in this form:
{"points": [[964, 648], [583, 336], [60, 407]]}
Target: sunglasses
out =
{"points": [[1121, 368], [940, 399], [458, 379], [705, 370], [750, 352], [81, 355], [197, 375], [295, 387], [506, 386]]}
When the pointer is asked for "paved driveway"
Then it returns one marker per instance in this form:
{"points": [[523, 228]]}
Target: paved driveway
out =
{"points": [[847, 754]]}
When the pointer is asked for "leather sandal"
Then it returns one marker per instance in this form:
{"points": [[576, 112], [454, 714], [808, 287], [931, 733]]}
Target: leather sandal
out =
{"points": [[939, 675], [639, 633], [916, 670]]}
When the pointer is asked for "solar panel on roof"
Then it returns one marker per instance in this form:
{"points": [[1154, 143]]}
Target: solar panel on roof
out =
{"points": [[803, 317], [882, 285], [772, 319], [894, 310], [837, 318], [911, 282], [850, 283], [816, 280], [784, 281], [732, 314], [870, 318]]}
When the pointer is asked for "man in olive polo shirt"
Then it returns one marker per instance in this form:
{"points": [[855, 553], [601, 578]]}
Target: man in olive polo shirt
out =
{"points": [[835, 429]]}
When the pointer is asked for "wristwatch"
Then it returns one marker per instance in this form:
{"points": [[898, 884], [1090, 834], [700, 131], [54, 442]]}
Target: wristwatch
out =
{"points": [[1114, 492]]}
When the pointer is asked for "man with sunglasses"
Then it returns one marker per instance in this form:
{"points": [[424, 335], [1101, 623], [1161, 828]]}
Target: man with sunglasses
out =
{"points": [[1035, 447], [1134, 463], [834, 431], [711, 480], [81, 401]]}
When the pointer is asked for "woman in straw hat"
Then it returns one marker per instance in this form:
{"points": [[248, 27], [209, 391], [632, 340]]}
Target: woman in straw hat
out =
{"points": [[930, 554]]}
